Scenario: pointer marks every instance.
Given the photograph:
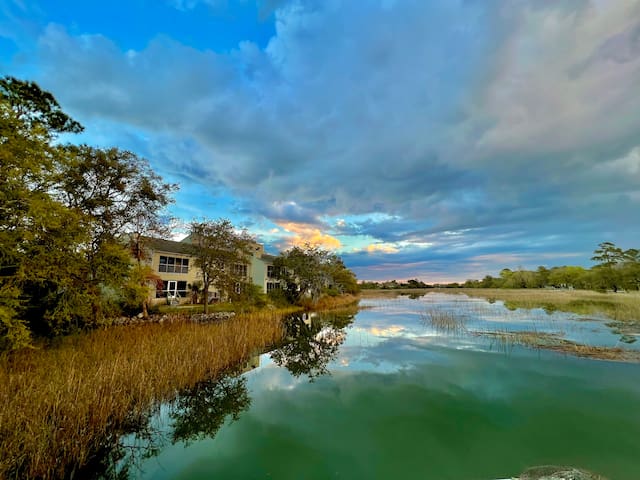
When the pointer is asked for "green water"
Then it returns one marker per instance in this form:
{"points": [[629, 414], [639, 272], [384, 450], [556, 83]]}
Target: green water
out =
{"points": [[391, 397]]}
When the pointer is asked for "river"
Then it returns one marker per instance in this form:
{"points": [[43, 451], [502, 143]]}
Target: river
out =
{"points": [[433, 387]]}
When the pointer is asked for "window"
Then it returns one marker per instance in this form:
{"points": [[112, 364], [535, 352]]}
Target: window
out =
{"points": [[240, 270], [172, 288], [273, 286], [173, 264], [238, 288], [272, 271]]}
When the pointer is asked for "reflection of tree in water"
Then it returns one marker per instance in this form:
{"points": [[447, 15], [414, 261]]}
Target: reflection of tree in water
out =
{"points": [[312, 343], [196, 413], [199, 412]]}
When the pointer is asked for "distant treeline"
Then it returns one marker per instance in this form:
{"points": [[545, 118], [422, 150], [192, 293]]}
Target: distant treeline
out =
{"points": [[615, 270]]}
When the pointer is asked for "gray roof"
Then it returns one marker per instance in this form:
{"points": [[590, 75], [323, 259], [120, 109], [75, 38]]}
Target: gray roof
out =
{"points": [[170, 246]]}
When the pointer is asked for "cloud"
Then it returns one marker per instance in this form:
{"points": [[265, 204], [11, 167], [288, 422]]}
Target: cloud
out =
{"points": [[469, 127], [381, 247], [308, 234]]}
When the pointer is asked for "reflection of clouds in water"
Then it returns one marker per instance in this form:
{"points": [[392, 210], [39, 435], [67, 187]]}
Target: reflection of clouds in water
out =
{"points": [[383, 331], [271, 377]]}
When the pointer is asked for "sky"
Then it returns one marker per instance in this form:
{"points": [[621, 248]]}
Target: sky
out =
{"points": [[440, 140]]}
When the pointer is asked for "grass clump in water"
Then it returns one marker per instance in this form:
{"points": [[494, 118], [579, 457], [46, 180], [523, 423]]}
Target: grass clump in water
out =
{"points": [[444, 321], [551, 341]]}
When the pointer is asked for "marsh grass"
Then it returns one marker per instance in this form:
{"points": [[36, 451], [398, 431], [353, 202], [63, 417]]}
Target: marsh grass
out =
{"points": [[444, 321], [332, 303], [64, 404], [507, 340]]}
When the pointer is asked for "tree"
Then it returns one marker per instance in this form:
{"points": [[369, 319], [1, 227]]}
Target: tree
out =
{"points": [[63, 211], [568, 276], [631, 273], [341, 278], [609, 257], [303, 271], [309, 270], [218, 249], [115, 193], [37, 233], [34, 106]]}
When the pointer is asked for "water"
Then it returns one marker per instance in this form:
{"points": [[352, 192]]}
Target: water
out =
{"points": [[389, 395]]}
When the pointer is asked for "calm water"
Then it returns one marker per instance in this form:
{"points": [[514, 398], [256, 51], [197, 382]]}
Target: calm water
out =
{"points": [[385, 394]]}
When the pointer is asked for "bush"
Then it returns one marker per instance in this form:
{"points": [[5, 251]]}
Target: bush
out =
{"points": [[278, 298]]}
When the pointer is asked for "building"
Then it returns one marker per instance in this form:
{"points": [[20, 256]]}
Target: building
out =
{"points": [[175, 266]]}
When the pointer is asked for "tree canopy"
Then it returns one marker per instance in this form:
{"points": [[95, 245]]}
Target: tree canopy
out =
{"points": [[309, 270]]}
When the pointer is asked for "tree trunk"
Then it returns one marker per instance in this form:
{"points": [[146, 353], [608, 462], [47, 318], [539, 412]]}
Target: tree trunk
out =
{"points": [[206, 295]]}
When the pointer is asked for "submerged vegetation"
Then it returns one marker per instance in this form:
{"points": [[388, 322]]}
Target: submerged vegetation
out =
{"points": [[535, 329], [65, 404]]}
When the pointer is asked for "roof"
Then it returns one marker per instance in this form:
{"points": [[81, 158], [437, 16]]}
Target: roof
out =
{"points": [[269, 257], [170, 246]]}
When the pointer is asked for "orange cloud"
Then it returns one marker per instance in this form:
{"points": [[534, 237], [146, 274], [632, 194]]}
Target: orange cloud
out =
{"points": [[305, 233], [381, 247]]}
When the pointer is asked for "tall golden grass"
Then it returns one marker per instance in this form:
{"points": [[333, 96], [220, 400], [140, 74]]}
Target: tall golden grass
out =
{"points": [[331, 303], [61, 405]]}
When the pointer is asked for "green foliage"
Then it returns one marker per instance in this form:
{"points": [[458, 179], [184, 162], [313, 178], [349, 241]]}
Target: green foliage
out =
{"points": [[279, 298], [34, 106], [309, 270], [14, 333]]}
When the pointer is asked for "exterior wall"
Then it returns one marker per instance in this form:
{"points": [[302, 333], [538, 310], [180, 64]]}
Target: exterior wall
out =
{"points": [[259, 273]]}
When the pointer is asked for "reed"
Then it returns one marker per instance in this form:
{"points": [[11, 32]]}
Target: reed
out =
{"points": [[506, 340], [61, 405], [327, 302], [444, 321]]}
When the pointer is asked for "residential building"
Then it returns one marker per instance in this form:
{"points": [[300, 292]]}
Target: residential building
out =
{"points": [[176, 267]]}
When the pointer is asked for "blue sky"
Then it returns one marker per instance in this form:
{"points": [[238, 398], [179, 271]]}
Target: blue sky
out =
{"points": [[439, 140]]}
